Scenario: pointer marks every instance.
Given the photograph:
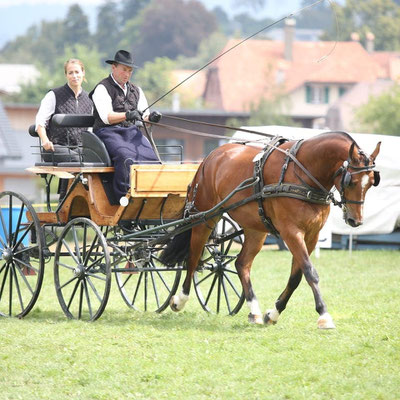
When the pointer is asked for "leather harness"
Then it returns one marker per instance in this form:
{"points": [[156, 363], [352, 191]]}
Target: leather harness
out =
{"points": [[302, 192]]}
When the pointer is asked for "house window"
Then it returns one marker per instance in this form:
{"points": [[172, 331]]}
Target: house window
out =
{"points": [[317, 94], [170, 150], [342, 90]]}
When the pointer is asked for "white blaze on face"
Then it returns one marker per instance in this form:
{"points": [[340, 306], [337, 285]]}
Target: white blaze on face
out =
{"points": [[364, 182]]}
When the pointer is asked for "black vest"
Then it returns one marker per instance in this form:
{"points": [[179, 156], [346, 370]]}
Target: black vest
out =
{"points": [[120, 102], [66, 103]]}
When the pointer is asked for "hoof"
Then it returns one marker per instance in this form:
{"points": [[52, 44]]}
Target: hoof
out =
{"points": [[173, 304], [255, 319], [177, 302], [325, 321], [271, 317]]}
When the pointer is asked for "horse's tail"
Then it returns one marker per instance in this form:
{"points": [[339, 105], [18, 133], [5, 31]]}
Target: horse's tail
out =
{"points": [[177, 249]]}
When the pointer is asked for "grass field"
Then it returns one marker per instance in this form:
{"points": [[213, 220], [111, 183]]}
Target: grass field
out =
{"points": [[193, 355]]}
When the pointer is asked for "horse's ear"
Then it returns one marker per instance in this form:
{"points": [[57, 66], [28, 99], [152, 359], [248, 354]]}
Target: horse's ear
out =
{"points": [[376, 151], [352, 156]]}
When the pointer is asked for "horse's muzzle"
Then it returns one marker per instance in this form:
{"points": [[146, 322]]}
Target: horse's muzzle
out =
{"points": [[352, 222]]}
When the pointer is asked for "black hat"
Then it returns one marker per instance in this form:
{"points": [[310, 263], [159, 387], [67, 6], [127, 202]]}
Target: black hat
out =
{"points": [[122, 57]]}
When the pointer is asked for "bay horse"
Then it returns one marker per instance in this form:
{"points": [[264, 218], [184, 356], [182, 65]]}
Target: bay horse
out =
{"points": [[318, 164]]}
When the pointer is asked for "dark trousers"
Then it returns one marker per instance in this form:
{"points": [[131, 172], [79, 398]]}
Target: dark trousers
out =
{"points": [[126, 146]]}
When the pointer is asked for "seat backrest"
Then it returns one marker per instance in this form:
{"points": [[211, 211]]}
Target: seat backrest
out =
{"points": [[94, 150]]}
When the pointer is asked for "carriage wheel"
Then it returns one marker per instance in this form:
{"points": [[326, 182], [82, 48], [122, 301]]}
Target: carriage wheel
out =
{"points": [[21, 255], [145, 283], [216, 281], [82, 270]]}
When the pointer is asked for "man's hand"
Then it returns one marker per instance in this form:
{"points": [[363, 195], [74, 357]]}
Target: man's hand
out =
{"points": [[133, 115], [155, 116]]}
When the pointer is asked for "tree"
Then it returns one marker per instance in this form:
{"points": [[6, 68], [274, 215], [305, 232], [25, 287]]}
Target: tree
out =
{"points": [[381, 17], [32, 93], [76, 27], [320, 16], [381, 114], [168, 28], [132, 8], [108, 28], [155, 80], [35, 46], [209, 48]]}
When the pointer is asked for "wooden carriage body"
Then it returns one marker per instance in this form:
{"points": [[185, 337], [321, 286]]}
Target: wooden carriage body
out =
{"points": [[157, 192]]}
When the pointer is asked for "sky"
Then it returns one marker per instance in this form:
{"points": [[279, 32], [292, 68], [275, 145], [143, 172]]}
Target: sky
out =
{"points": [[16, 16]]}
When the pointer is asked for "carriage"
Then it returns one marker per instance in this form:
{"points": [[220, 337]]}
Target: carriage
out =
{"points": [[177, 217], [90, 236]]}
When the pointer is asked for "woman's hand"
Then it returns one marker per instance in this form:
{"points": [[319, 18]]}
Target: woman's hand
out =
{"points": [[47, 145]]}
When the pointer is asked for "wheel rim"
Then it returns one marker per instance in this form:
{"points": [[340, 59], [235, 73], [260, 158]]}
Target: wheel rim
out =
{"points": [[216, 281], [21, 255], [145, 283], [82, 272]]}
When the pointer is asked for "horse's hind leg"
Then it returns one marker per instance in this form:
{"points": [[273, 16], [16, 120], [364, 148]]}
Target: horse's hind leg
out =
{"points": [[253, 243], [200, 235]]}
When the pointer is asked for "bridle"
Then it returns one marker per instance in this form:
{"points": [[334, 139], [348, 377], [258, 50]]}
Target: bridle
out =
{"points": [[346, 178]]}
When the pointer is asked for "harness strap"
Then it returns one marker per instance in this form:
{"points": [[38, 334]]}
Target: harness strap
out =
{"points": [[258, 188]]}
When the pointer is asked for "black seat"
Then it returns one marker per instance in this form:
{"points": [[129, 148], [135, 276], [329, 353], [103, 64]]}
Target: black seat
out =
{"points": [[94, 152]]}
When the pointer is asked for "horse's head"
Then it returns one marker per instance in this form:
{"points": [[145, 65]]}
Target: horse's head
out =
{"points": [[355, 177]]}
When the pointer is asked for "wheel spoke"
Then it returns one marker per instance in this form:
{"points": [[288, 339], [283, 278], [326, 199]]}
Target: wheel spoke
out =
{"points": [[88, 299], [73, 294], [26, 280], [205, 278], [77, 249], [80, 300], [94, 289], [4, 281], [155, 290], [10, 218], [67, 283], [232, 286], [25, 266], [18, 288], [71, 253], [5, 231], [10, 290], [225, 294], [18, 225], [137, 288], [96, 276], [211, 289]]}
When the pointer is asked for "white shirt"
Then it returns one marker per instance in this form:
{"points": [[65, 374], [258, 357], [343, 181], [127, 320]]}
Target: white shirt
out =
{"points": [[46, 109], [103, 101]]}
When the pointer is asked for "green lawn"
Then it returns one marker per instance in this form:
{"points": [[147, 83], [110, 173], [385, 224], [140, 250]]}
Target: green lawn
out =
{"points": [[193, 355]]}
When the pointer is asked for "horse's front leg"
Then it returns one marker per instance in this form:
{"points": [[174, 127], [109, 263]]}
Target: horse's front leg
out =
{"points": [[200, 235], [271, 316], [301, 264], [253, 243]]}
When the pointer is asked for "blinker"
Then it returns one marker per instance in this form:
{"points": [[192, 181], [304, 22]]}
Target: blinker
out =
{"points": [[377, 178]]}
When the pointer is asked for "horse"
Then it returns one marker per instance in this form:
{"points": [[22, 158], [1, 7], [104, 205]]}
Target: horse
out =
{"points": [[319, 164]]}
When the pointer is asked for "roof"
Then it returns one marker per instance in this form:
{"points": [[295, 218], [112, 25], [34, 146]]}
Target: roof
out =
{"points": [[9, 147], [13, 75], [389, 62], [258, 68]]}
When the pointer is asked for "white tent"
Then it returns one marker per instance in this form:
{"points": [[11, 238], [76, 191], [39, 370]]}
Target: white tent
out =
{"points": [[382, 205]]}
